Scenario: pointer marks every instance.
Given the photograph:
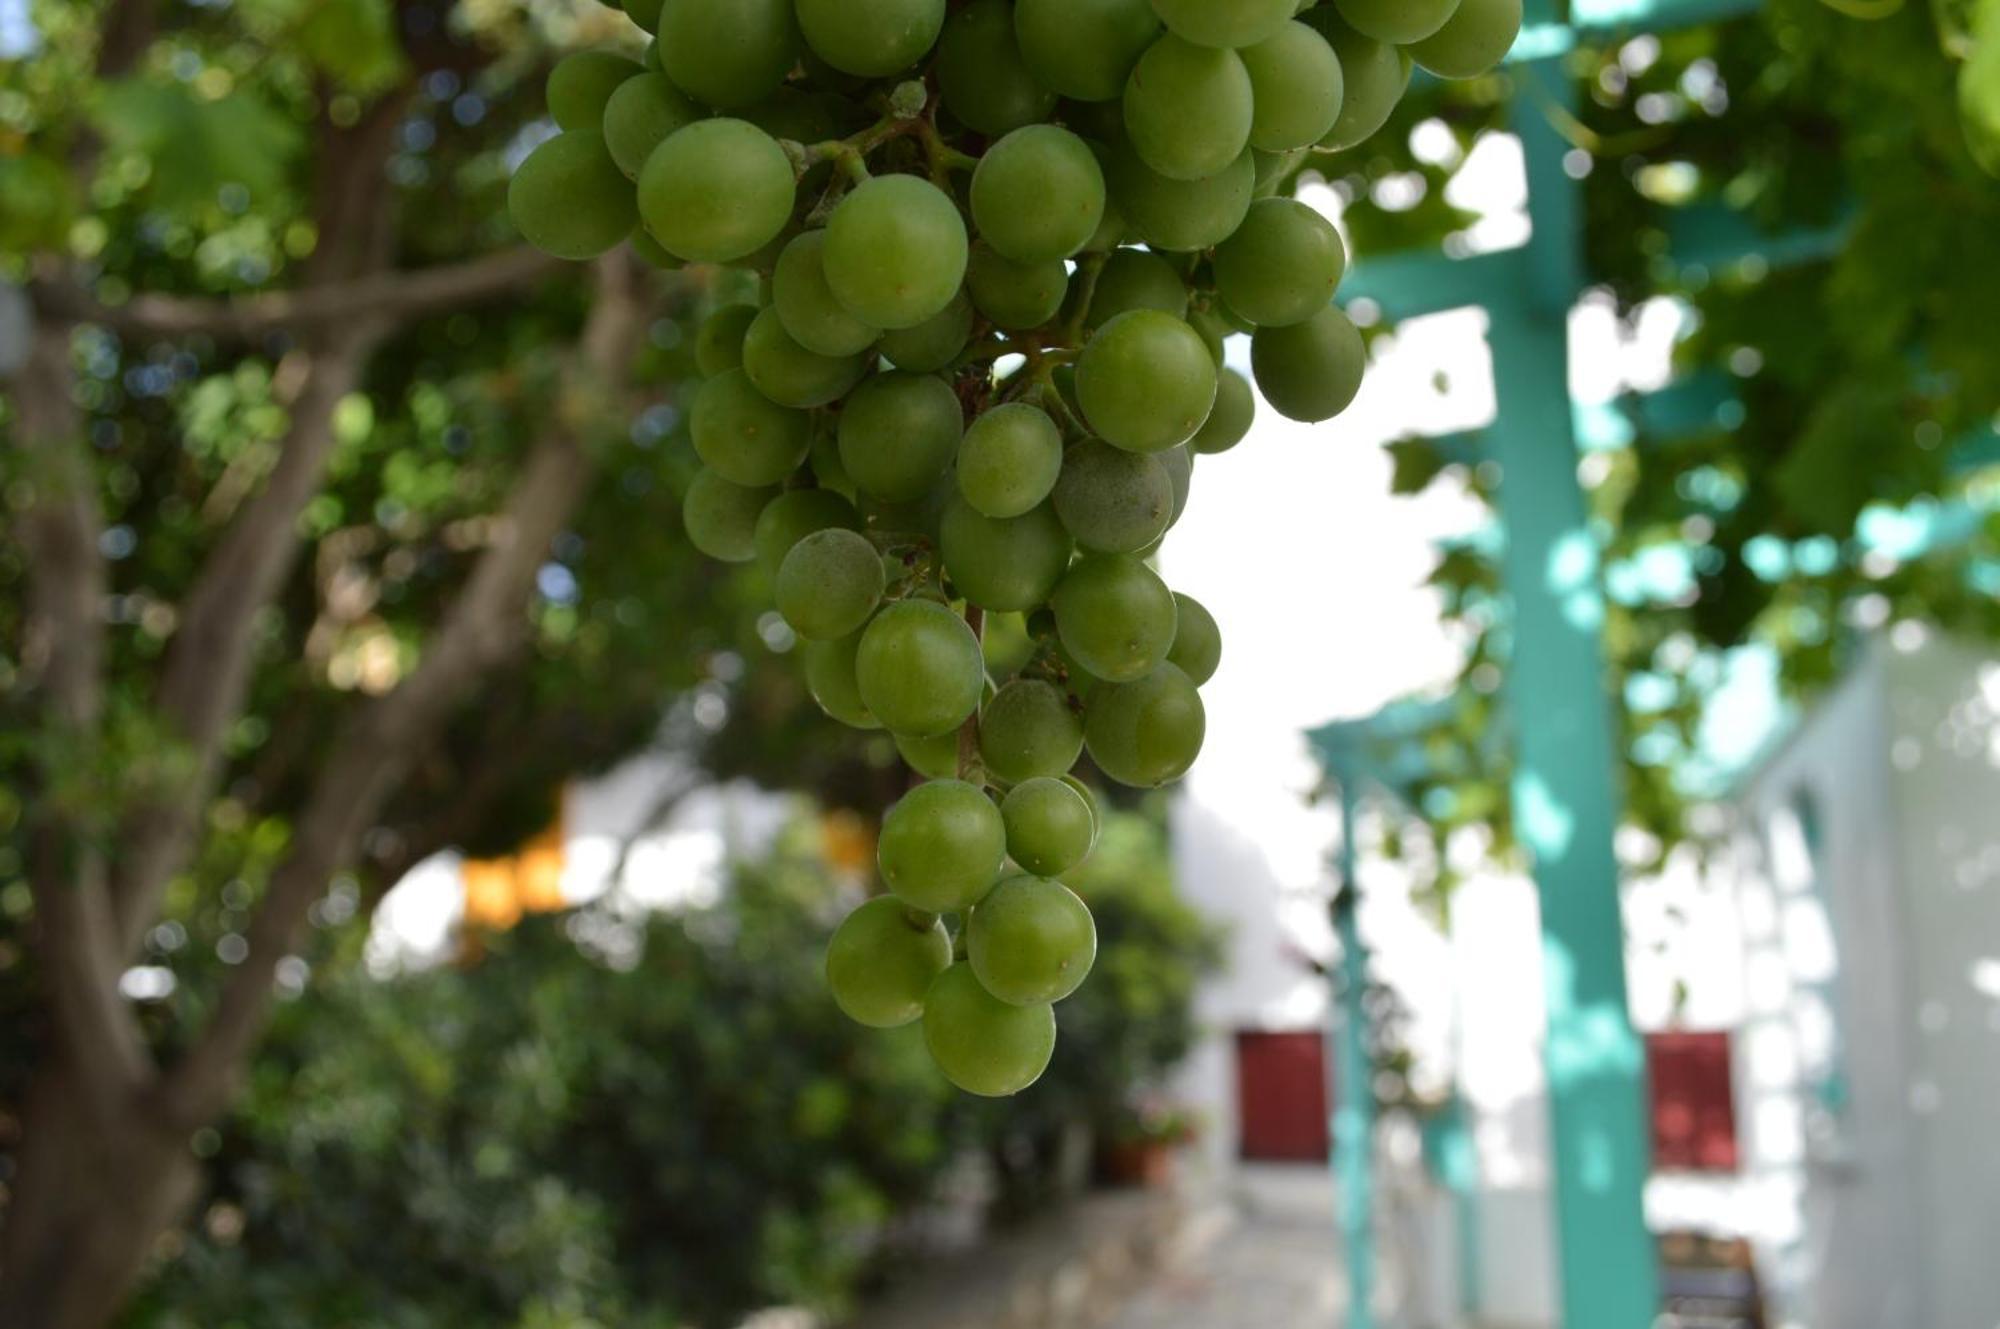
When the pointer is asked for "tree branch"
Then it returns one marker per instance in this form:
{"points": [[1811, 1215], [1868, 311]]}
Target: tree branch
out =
{"points": [[483, 625]]}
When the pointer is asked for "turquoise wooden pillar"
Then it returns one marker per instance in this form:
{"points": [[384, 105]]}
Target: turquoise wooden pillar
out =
{"points": [[1354, 1115]]}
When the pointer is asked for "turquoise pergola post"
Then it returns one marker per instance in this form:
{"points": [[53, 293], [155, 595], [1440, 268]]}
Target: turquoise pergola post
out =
{"points": [[1354, 1115]]}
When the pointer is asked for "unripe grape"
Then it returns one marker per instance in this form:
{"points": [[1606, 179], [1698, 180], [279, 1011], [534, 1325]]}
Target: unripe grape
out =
{"points": [[895, 251], [830, 679], [1084, 49], [1231, 23], [981, 75], [716, 190], [1474, 39], [1296, 80], [639, 116], [870, 38], [1373, 77], [1188, 108], [645, 13], [1049, 827], [646, 247], [1031, 941], [1111, 500], [980, 1043], [1145, 381], [1029, 730], [919, 668], [1274, 168], [806, 305], [1089, 796], [829, 584], [1147, 732], [582, 82], [1197, 647], [1397, 22], [882, 961], [1038, 194], [941, 846], [728, 53], [1115, 616], [720, 517], [1135, 279], [1310, 371], [791, 375], [899, 433], [1003, 563], [793, 515], [569, 199], [1229, 421], [718, 345], [1179, 463], [1282, 264], [934, 343], [1015, 296], [1009, 460], [745, 436], [1180, 215], [934, 757], [1213, 329]]}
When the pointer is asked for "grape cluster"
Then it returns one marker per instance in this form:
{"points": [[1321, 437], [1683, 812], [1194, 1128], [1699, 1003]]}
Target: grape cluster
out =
{"points": [[999, 246]]}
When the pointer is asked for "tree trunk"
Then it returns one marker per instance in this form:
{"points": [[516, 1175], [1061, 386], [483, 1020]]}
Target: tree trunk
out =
{"points": [[92, 1195]]}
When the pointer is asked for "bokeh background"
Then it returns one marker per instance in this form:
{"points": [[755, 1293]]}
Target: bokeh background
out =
{"points": [[417, 858]]}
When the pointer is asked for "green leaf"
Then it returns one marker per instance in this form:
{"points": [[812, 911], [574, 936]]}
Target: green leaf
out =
{"points": [[355, 42], [196, 147], [1979, 87], [35, 203]]}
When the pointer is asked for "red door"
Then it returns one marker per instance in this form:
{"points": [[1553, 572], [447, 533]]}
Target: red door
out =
{"points": [[1694, 1102], [1281, 1095]]}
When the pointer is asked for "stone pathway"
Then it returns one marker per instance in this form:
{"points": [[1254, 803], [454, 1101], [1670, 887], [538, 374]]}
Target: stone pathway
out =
{"points": [[1265, 1255]]}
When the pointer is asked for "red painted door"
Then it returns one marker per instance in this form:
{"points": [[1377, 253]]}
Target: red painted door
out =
{"points": [[1694, 1102], [1281, 1095]]}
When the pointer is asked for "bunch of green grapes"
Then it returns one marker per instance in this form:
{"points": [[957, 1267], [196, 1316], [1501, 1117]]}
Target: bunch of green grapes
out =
{"points": [[1000, 245]]}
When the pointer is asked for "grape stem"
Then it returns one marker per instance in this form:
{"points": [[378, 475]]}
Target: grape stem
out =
{"points": [[970, 768]]}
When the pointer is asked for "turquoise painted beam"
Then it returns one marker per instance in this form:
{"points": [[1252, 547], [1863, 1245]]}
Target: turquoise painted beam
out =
{"points": [[1354, 1115]]}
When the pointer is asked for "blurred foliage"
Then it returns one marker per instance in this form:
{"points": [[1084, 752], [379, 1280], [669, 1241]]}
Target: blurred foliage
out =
{"points": [[613, 1117]]}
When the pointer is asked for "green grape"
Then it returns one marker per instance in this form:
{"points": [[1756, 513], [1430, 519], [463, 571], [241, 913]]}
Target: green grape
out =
{"points": [[1310, 371], [718, 344], [1009, 460], [1179, 463], [1197, 647], [895, 251], [1111, 500], [980, 1043], [870, 38], [1188, 108], [1396, 22], [1115, 617], [882, 961], [981, 74], [1084, 49], [1031, 941], [1015, 296], [824, 458], [830, 679], [1003, 563], [1029, 730], [646, 247], [582, 82], [1373, 76], [793, 515], [1050, 828], [645, 13], [1474, 39], [934, 343], [1235, 408], [1145, 381], [639, 116], [1148, 732], [1297, 82], [1213, 330], [1273, 168], [728, 53], [1089, 796], [569, 199], [1231, 23], [720, 516], [899, 433], [744, 435], [1180, 215], [1135, 279], [1282, 264], [919, 668], [1111, 229], [716, 190], [941, 845], [934, 758], [829, 584], [1038, 194], [805, 303], [788, 373], [801, 116]]}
